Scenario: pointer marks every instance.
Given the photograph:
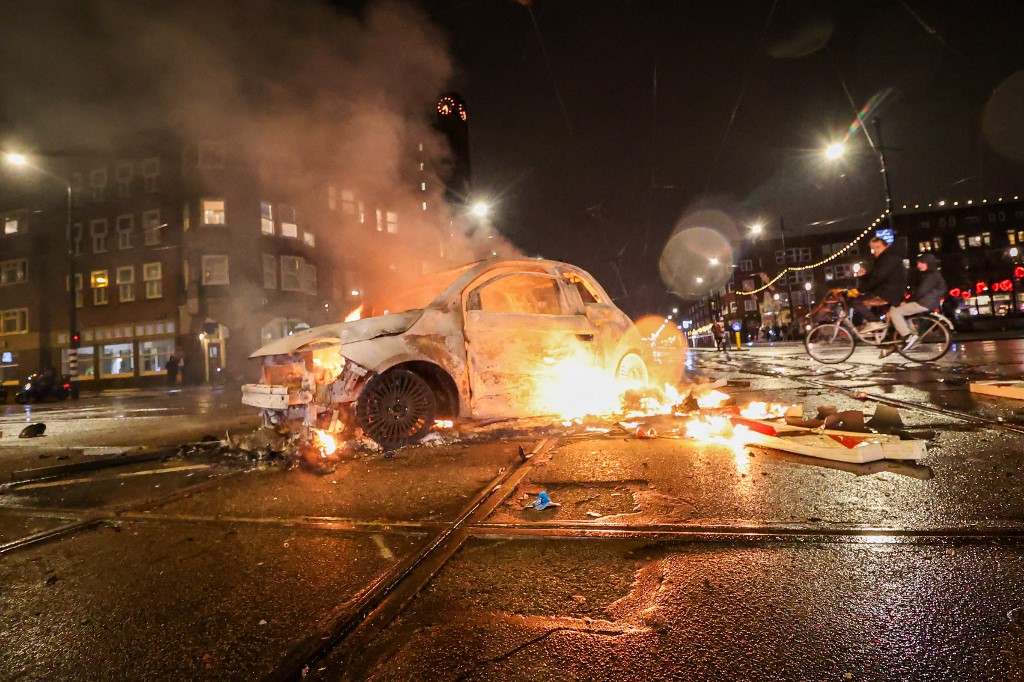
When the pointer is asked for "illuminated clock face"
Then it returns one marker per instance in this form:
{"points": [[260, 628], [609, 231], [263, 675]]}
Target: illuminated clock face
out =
{"points": [[446, 106]]}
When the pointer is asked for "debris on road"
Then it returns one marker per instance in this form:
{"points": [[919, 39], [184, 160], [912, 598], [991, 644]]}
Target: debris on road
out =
{"points": [[999, 389], [33, 430], [543, 502]]}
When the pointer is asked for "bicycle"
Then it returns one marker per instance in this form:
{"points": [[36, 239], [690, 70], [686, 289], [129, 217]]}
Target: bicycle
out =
{"points": [[834, 341]]}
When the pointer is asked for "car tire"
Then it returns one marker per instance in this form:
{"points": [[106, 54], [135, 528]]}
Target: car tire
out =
{"points": [[396, 408], [632, 369]]}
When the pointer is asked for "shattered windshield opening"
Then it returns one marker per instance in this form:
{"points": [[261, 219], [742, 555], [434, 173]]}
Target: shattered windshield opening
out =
{"points": [[419, 293]]}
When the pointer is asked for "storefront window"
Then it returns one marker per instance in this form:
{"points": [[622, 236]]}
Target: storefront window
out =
{"points": [[86, 363], [1002, 303], [153, 355], [118, 360]]}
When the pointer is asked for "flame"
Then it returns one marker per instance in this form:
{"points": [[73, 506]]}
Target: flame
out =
{"points": [[356, 314], [713, 399], [326, 442], [444, 423], [759, 410]]}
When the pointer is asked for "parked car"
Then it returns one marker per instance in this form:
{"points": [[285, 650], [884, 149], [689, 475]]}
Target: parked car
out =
{"points": [[471, 343]]}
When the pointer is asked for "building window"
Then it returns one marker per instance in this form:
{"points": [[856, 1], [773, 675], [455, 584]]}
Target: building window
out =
{"points": [[13, 271], [309, 238], [361, 209], [269, 271], [117, 360], [126, 283], [937, 243], [348, 202], [151, 227], [392, 222], [14, 222], [844, 271], [152, 274], [211, 154], [125, 226], [380, 220], [98, 232], [123, 177], [14, 321], [750, 305], [151, 175], [99, 280], [266, 218], [98, 184], [1011, 237], [290, 269], [746, 265], [974, 240], [986, 238], [153, 355], [332, 197], [215, 270], [213, 211], [289, 224], [309, 279]]}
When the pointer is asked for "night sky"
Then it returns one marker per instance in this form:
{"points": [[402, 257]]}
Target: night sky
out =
{"points": [[588, 162]]}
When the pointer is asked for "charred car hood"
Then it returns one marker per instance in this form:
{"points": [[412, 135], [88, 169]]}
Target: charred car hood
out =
{"points": [[341, 333]]}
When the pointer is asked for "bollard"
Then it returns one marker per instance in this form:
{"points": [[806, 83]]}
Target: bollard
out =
{"points": [[739, 345]]}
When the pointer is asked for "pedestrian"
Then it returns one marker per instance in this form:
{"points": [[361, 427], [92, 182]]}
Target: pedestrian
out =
{"points": [[718, 331], [923, 297], [172, 369]]}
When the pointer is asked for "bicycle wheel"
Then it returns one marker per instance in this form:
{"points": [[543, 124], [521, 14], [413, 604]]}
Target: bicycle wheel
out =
{"points": [[829, 343], [934, 339]]}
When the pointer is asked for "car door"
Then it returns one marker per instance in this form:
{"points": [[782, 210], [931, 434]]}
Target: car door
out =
{"points": [[521, 332]]}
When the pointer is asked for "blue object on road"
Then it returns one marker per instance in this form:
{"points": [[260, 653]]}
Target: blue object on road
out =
{"points": [[543, 501]]}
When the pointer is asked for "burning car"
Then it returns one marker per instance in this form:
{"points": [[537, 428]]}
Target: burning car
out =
{"points": [[498, 338]]}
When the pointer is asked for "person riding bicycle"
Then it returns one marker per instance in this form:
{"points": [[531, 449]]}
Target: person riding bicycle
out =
{"points": [[884, 284], [924, 297]]}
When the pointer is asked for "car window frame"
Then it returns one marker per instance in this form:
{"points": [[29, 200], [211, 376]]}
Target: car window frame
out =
{"points": [[566, 304]]}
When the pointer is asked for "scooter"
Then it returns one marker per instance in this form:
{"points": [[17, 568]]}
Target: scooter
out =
{"points": [[41, 387]]}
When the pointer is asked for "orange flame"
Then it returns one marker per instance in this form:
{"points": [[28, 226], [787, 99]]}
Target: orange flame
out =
{"points": [[327, 442], [444, 423], [356, 314], [713, 399]]}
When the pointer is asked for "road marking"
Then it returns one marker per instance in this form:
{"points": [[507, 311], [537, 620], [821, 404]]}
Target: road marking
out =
{"points": [[71, 481], [384, 551]]}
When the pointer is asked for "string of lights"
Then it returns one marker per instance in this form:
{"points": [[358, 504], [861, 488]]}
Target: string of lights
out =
{"points": [[835, 254]]}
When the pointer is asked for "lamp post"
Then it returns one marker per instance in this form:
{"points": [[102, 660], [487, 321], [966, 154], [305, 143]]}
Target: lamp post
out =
{"points": [[73, 336], [885, 173]]}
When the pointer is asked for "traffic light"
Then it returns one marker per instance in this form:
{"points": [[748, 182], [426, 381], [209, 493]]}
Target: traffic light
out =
{"points": [[76, 340]]}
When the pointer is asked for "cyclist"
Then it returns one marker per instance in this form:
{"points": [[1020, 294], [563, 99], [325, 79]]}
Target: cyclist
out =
{"points": [[923, 297], [884, 284]]}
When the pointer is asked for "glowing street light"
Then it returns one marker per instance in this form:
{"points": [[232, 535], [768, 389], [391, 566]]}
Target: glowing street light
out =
{"points": [[481, 209], [756, 228], [835, 150], [16, 159]]}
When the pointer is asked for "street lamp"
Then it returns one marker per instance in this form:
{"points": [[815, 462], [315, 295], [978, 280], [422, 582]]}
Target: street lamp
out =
{"points": [[16, 159], [837, 149], [481, 209]]}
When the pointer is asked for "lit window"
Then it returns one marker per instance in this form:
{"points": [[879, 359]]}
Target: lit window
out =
{"points": [[424, 206], [14, 321], [392, 222], [213, 211], [215, 269], [117, 360], [289, 224], [151, 227], [362, 212], [13, 271], [309, 238], [332, 197], [269, 271], [153, 355], [11, 225], [125, 226], [290, 273], [126, 283], [152, 274], [380, 220], [99, 281], [98, 232], [348, 202], [266, 218]]}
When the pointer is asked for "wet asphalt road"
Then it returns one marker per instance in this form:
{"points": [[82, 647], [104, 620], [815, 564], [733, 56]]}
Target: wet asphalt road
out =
{"points": [[667, 559]]}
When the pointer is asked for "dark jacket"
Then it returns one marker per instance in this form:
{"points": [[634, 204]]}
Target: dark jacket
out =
{"points": [[932, 286], [886, 278]]}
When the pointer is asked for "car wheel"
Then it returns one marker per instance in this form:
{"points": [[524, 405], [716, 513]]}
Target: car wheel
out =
{"points": [[632, 369], [396, 408]]}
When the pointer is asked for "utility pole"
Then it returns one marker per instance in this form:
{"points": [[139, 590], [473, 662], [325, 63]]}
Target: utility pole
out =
{"points": [[785, 262], [885, 174]]}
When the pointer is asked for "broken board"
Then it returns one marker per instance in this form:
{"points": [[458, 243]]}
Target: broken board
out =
{"points": [[841, 446], [1000, 389]]}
